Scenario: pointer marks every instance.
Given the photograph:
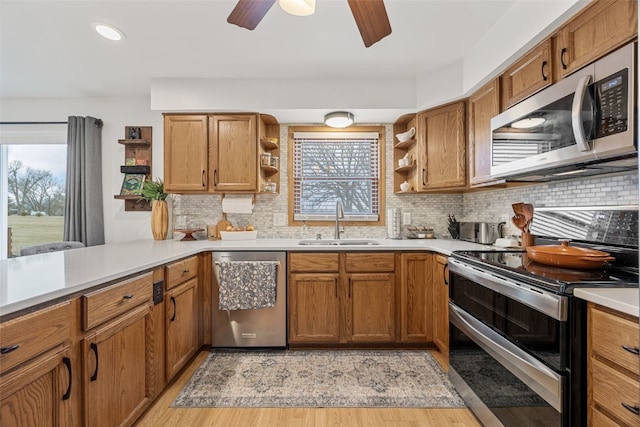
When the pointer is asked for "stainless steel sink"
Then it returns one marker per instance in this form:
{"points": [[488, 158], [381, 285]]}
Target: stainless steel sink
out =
{"points": [[338, 242]]}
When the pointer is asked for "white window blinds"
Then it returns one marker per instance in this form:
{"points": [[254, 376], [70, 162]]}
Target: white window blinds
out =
{"points": [[332, 166]]}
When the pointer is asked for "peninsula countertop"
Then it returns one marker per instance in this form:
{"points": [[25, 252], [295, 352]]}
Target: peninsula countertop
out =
{"points": [[30, 281]]}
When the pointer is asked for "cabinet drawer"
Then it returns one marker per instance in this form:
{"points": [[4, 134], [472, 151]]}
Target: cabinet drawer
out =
{"points": [[29, 335], [597, 418], [313, 262], [181, 271], [365, 262], [609, 332], [112, 301], [609, 388]]}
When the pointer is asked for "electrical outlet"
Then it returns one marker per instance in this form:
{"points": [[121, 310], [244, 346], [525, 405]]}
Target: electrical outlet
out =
{"points": [[406, 218], [279, 219]]}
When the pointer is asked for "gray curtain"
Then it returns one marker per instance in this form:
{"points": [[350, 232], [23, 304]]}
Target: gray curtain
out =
{"points": [[83, 213]]}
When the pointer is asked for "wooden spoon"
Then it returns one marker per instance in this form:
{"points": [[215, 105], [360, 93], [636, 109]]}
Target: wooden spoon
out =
{"points": [[519, 221], [527, 211], [518, 208]]}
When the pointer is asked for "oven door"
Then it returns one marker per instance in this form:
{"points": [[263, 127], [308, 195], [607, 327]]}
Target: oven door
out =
{"points": [[501, 383]]}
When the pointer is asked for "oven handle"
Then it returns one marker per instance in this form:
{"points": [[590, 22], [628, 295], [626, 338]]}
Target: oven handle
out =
{"points": [[549, 304], [544, 381]]}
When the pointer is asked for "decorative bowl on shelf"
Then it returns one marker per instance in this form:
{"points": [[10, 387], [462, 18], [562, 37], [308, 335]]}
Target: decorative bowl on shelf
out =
{"points": [[405, 136], [405, 186]]}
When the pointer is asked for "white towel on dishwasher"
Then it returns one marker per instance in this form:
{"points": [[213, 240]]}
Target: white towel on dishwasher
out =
{"points": [[247, 285]]}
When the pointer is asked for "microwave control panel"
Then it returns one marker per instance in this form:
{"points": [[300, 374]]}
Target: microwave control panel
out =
{"points": [[612, 100]]}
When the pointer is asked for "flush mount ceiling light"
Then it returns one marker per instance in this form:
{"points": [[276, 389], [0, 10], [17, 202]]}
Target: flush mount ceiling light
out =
{"points": [[108, 31], [528, 123], [298, 7], [338, 119]]}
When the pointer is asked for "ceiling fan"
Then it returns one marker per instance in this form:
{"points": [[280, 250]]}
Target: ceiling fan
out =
{"points": [[370, 16]]}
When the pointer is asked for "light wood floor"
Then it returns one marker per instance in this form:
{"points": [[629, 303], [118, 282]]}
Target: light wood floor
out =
{"points": [[161, 414]]}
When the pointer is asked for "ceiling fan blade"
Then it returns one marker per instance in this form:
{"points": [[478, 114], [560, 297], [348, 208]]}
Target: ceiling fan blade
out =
{"points": [[372, 20], [249, 13]]}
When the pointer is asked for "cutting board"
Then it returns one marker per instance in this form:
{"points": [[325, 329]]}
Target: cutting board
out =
{"points": [[222, 225]]}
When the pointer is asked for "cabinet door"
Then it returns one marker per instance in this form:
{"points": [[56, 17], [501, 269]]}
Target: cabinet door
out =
{"points": [[483, 106], [33, 395], [416, 298], [601, 28], [441, 304], [443, 147], [180, 326], [531, 73], [234, 152], [118, 365], [185, 153], [370, 307], [314, 315]]}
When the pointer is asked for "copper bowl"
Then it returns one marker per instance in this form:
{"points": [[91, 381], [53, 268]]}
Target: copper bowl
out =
{"points": [[567, 256]]}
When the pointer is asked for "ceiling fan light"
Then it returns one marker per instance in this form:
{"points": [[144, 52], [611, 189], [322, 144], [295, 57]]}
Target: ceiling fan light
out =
{"points": [[298, 7], [338, 119], [108, 31]]}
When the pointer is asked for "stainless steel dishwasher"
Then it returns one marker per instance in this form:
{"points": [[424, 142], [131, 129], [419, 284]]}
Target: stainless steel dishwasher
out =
{"points": [[263, 327]]}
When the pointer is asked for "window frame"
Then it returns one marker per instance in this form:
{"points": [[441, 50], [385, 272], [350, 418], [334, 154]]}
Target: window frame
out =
{"points": [[382, 171]]}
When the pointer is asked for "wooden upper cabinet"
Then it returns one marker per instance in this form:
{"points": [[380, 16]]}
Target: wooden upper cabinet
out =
{"points": [[442, 156], [534, 71], [600, 28], [185, 153], [234, 152], [483, 105]]}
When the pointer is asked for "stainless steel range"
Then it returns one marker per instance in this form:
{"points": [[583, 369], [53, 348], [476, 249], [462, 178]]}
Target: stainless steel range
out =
{"points": [[517, 334]]}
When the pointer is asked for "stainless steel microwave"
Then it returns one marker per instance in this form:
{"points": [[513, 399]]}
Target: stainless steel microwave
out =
{"points": [[585, 124]]}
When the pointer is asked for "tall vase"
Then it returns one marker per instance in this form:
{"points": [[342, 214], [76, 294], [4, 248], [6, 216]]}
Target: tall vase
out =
{"points": [[159, 219]]}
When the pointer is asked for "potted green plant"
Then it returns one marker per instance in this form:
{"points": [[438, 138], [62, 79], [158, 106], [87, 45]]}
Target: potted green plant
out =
{"points": [[153, 192]]}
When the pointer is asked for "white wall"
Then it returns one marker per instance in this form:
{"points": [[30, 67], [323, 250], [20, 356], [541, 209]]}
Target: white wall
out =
{"points": [[116, 113]]}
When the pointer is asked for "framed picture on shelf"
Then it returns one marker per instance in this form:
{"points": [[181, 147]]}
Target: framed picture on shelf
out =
{"points": [[130, 161], [132, 184]]}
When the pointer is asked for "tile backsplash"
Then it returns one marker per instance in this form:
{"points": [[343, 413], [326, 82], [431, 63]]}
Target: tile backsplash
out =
{"points": [[426, 209]]}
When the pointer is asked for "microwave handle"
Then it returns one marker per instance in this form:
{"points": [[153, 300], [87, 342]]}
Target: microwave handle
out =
{"points": [[576, 114]]}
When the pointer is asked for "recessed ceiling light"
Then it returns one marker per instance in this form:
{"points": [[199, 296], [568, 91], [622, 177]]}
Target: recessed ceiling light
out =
{"points": [[108, 31], [528, 123], [339, 119]]}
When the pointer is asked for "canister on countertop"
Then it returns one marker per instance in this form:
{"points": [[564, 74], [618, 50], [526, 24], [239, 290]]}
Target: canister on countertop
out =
{"points": [[394, 225]]}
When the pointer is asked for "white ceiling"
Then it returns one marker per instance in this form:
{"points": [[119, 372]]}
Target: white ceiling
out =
{"points": [[49, 48]]}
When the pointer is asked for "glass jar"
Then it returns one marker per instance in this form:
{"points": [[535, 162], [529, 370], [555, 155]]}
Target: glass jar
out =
{"points": [[275, 162], [265, 159]]}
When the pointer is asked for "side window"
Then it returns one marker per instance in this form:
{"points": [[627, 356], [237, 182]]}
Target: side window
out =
{"points": [[33, 188]]}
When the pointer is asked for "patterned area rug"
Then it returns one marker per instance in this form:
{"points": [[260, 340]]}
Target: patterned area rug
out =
{"points": [[358, 378]]}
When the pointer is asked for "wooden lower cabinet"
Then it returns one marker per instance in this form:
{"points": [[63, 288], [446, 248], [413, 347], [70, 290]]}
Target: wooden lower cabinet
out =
{"points": [[613, 368], [34, 394], [416, 298], [117, 369], [181, 326], [36, 369], [370, 307], [441, 303], [341, 298], [314, 308]]}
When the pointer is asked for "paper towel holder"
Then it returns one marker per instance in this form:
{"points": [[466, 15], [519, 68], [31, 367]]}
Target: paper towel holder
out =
{"points": [[253, 196]]}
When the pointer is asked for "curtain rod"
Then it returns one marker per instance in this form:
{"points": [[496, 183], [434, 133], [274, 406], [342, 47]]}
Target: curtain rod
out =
{"points": [[34, 123]]}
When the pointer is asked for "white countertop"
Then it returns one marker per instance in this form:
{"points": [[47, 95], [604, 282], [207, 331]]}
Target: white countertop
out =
{"points": [[28, 281], [625, 300]]}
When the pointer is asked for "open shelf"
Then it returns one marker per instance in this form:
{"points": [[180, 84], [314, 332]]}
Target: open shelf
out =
{"points": [[134, 142], [405, 168], [405, 144], [268, 145], [269, 169], [142, 169], [140, 150]]}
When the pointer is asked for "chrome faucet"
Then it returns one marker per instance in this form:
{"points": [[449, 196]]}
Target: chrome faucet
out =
{"points": [[339, 216]]}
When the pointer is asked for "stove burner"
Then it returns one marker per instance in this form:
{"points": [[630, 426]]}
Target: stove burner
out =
{"points": [[516, 265]]}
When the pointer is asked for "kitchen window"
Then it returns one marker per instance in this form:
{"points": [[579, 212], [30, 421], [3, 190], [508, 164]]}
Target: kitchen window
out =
{"points": [[337, 165]]}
